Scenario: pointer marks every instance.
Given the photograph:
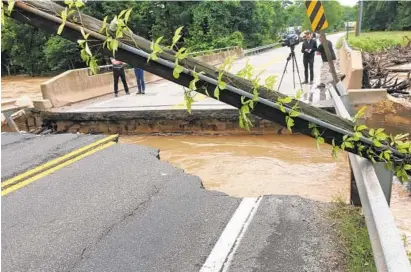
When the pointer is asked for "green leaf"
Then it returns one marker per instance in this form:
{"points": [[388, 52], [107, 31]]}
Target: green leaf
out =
{"points": [[222, 85], [104, 26], [372, 132], [177, 71], [84, 55], [79, 3], [319, 140], [192, 85], [88, 50], [176, 36], [10, 5], [387, 155], [379, 131], [357, 136], [349, 145], [407, 167], [128, 13], [312, 125], [377, 143], [251, 104], [114, 45], [270, 82], [158, 40], [294, 113], [287, 100], [334, 152], [290, 122], [360, 127], [360, 113], [217, 93], [188, 100], [282, 108], [315, 132], [93, 66], [64, 14], [122, 13], [182, 53], [246, 109], [83, 33], [60, 29]]}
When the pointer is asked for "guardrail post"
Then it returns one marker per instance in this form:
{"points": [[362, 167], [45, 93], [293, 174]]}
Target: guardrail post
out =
{"points": [[354, 195], [385, 177]]}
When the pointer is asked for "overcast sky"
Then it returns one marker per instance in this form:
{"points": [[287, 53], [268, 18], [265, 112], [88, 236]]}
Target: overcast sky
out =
{"points": [[348, 2]]}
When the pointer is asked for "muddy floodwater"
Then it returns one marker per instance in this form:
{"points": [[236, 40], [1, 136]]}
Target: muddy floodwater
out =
{"points": [[13, 87], [256, 165], [245, 166]]}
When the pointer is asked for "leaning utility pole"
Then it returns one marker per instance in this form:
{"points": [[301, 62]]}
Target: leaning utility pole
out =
{"points": [[359, 19]]}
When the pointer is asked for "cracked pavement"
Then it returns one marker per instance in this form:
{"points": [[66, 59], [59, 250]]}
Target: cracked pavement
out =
{"points": [[120, 209], [123, 209]]}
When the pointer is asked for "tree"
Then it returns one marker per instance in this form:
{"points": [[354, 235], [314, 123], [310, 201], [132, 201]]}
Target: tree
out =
{"points": [[62, 54], [386, 15], [23, 45]]}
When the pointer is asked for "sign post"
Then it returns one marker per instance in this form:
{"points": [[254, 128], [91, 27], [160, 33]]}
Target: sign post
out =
{"points": [[316, 14]]}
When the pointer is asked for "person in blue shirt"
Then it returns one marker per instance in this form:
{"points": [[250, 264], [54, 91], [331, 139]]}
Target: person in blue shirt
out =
{"points": [[140, 80]]}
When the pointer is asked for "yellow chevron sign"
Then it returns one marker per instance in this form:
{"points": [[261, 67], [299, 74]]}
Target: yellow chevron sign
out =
{"points": [[316, 14]]}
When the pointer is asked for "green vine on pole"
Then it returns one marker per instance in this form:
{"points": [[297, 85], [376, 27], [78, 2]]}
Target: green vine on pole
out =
{"points": [[382, 142]]}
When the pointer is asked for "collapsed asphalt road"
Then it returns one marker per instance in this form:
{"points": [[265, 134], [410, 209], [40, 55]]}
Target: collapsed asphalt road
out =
{"points": [[123, 209]]}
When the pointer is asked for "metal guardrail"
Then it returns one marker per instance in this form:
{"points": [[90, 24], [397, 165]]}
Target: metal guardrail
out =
{"points": [[260, 49], [388, 249], [205, 52]]}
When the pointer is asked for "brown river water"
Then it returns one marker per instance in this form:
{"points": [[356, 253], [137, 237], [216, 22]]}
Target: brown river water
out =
{"points": [[244, 166]]}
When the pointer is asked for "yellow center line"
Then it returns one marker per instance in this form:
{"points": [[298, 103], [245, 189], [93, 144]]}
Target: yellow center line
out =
{"points": [[57, 161], [52, 170], [199, 97]]}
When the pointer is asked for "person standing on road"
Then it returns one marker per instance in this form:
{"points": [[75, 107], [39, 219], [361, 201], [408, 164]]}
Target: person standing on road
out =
{"points": [[325, 68], [118, 71], [140, 80], [308, 49]]}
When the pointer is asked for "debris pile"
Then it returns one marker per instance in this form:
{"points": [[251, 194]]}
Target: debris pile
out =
{"points": [[389, 69]]}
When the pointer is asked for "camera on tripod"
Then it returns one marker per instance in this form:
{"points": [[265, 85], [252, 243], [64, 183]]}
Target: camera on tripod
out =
{"points": [[291, 40]]}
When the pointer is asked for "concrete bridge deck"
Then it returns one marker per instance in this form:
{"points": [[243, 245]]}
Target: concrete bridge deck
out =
{"points": [[164, 95]]}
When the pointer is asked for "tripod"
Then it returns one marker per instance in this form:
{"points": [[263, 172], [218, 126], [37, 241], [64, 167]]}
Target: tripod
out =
{"points": [[291, 57]]}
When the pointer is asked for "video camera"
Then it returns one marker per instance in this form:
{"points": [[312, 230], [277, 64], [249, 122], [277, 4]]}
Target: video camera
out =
{"points": [[290, 40]]}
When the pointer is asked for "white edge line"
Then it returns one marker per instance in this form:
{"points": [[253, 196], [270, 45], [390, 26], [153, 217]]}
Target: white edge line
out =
{"points": [[231, 235], [240, 237]]}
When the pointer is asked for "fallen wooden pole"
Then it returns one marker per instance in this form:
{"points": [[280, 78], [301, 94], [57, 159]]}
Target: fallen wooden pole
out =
{"points": [[42, 14]]}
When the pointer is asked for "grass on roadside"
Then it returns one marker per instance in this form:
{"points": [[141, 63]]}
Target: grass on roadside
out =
{"points": [[376, 41], [352, 231]]}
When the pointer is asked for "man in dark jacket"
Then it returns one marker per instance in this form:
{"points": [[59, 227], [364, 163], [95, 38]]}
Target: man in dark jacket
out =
{"points": [[308, 49], [325, 68]]}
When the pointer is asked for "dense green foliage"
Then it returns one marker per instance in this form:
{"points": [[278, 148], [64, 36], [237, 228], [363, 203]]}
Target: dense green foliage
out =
{"points": [[377, 41], [386, 15], [207, 25]]}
